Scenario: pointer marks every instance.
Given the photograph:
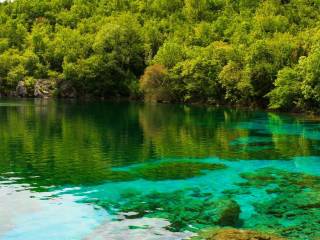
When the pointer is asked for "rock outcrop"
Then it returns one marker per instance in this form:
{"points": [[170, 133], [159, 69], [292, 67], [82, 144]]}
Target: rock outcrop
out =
{"points": [[21, 89], [236, 234], [44, 88]]}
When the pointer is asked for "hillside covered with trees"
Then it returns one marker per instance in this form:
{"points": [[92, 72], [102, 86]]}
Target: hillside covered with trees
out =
{"points": [[241, 52]]}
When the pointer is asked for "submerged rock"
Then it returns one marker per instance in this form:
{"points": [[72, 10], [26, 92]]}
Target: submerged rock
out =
{"points": [[236, 234], [226, 212]]}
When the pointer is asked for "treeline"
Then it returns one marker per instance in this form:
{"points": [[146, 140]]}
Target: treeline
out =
{"points": [[245, 52]]}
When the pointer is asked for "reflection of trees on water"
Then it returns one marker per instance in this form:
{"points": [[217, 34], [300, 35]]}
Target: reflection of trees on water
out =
{"points": [[188, 132], [202, 132], [79, 143]]}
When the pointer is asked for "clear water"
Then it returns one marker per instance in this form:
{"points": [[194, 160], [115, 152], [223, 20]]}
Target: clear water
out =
{"points": [[69, 170]]}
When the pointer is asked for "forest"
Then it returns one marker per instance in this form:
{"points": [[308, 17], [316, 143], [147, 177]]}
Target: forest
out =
{"points": [[262, 53]]}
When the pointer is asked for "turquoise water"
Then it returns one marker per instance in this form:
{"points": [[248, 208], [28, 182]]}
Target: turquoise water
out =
{"points": [[107, 170]]}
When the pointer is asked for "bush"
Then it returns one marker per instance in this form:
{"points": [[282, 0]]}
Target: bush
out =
{"points": [[29, 83], [154, 83], [236, 82], [15, 75], [287, 91]]}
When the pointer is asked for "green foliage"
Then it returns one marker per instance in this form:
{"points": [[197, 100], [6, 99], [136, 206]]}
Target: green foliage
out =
{"points": [[235, 80], [298, 87], [216, 51], [198, 75], [15, 32], [195, 9], [287, 89], [187, 210], [15, 75], [29, 83], [170, 54], [311, 77], [4, 44]]}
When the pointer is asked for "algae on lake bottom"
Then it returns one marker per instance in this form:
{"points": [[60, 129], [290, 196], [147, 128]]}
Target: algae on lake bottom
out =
{"points": [[293, 210], [174, 170], [161, 171], [290, 208], [185, 210]]}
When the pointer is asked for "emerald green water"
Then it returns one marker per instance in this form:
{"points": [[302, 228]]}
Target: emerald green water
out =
{"points": [[108, 170]]}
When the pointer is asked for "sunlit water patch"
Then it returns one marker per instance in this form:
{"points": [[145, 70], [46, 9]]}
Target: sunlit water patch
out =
{"points": [[74, 170], [26, 215]]}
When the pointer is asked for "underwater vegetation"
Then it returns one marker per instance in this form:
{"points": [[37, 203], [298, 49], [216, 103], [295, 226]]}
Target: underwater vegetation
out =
{"points": [[160, 171], [293, 210], [186, 210], [174, 170], [157, 171]]}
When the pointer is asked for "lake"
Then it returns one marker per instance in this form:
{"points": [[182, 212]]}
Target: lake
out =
{"points": [[109, 170]]}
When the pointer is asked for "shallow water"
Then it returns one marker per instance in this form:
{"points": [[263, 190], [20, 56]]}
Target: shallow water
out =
{"points": [[76, 170]]}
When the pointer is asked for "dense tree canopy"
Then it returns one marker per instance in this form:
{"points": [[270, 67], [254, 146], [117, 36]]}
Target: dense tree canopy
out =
{"points": [[264, 52]]}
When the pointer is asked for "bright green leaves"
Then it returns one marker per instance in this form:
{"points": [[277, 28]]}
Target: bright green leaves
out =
{"points": [[298, 87], [120, 39], [287, 91], [170, 54], [103, 59], [120, 44], [15, 75], [310, 69], [195, 9], [15, 32], [4, 44], [236, 82]]}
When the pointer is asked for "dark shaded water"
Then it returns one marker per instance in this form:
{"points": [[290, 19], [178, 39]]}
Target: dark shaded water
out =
{"points": [[72, 170]]}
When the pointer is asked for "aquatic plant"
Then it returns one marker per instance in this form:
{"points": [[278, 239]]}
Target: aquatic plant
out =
{"points": [[118, 176], [174, 170], [293, 209], [163, 171], [185, 210]]}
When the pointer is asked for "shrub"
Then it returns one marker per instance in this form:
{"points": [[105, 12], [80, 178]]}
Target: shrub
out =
{"points": [[154, 83], [287, 91]]}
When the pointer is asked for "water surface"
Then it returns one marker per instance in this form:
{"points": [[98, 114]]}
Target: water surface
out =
{"points": [[103, 170]]}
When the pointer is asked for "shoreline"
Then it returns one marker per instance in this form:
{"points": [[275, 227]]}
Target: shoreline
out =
{"points": [[314, 115]]}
